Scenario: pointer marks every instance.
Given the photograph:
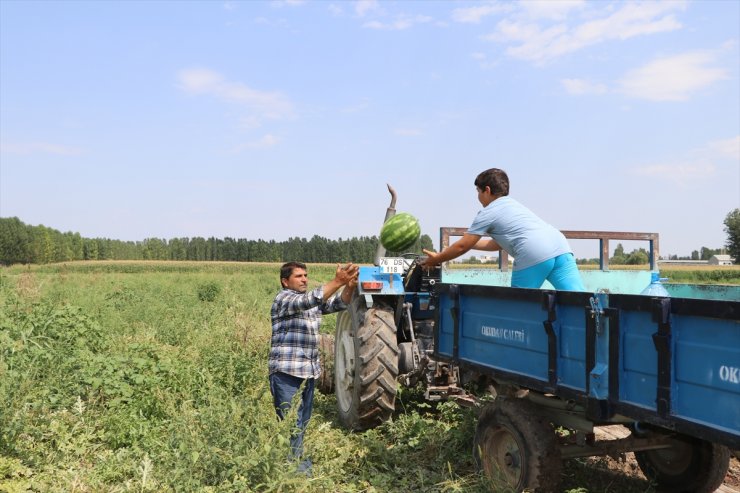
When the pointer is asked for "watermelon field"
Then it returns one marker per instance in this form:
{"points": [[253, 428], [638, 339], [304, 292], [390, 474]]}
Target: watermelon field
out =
{"points": [[152, 377]]}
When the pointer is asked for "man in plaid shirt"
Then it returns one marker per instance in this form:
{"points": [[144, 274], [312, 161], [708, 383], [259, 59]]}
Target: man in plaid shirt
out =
{"points": [[294, 353]]}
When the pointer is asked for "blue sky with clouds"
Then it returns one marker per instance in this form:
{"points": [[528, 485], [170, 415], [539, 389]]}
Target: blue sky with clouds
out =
{"points": [[279, 119]]}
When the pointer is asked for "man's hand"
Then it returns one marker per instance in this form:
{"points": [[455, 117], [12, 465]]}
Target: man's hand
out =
{"points": [[346, 273], [352, 283], [342, 277], [349, 288], [451, 252], [431, 260]]}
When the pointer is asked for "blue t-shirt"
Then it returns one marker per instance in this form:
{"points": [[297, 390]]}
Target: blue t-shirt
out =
{"points": [[526, 237]]}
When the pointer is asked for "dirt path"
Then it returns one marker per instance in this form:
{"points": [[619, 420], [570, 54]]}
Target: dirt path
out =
{"points": [[627, 465]]}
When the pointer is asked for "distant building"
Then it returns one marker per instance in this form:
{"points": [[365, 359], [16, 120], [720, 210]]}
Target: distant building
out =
{"points": [[721, 260], [488, 259], [682, 262]]}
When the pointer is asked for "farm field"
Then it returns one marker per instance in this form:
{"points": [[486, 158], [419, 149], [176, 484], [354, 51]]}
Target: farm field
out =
{"points": [[152, 377]]}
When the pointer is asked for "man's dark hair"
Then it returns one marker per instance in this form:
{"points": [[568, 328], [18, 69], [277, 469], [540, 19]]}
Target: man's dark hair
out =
{"points": [[494, 178], [287, 269]]}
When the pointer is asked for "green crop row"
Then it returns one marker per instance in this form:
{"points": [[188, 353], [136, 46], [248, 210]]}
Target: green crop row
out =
{"points": [[153, 377]]}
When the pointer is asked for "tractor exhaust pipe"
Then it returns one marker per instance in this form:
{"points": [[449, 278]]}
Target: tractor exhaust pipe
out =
{"points": [[389, 213]]}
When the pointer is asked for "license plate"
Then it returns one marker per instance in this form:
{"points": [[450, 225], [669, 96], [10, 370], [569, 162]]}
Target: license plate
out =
{"points": [[392, 265]]}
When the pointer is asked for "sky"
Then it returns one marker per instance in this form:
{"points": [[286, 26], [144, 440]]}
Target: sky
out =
{"points": [[279, 119]]}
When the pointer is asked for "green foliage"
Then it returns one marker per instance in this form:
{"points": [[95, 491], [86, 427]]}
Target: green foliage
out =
{"points": [[21, 243], [113, 377], [208, 291], [619, 251], [638, 257], [702, 276], [635, 257], [732, 228]]}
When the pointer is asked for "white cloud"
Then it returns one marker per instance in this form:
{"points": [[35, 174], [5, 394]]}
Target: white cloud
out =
{"points": [[473, 15], [538, 42], [262, 104], [582, 86], [549, 9], [680, 173], [287, 3], [374, 16], [727, 148], [483, 61], [230, 5], [198, 80], [273, 22], [265, 142], [249, 122], [672, 78], [335, 10], [38, 148], [408, 132], [362, 7], [695, 166], [399, 24]]}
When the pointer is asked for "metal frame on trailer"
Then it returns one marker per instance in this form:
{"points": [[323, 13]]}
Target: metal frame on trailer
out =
{"points": [[446, 233]]}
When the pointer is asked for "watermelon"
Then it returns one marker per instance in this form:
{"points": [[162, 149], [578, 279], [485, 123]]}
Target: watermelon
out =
{"points": [[400, 232]]}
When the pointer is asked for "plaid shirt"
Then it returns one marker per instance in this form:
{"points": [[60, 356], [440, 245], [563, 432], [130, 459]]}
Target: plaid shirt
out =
{"points": [[295, 331]]}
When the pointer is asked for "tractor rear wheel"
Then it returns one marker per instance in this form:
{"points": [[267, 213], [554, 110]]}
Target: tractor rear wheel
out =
{"points": [[689, 464], [366, 366], [515, 446], [325, 383]]}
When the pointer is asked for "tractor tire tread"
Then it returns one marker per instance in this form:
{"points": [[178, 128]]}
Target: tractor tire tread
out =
{"points": [[375, 378]]}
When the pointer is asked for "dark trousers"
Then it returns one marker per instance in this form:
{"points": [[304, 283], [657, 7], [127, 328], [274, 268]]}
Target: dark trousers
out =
{"points": [[283, 387]]}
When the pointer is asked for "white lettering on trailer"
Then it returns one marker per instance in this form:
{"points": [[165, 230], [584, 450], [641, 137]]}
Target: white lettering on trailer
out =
{"points": [[505, 334], [729, 374]]}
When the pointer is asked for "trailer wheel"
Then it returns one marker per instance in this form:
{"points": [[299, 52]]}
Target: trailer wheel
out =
{"points": [[326, 360], [366, 367], [515, 444], [690, 464]]}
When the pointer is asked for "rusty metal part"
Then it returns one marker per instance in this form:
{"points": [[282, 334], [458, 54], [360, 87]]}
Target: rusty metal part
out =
{"points": [[615, 447], [450, 392], [390, 212]]}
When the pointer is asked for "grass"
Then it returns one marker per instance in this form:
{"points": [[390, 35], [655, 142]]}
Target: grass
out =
{"points": [[152, 376]]}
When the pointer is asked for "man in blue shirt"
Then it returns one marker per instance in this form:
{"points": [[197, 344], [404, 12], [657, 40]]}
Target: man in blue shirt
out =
{"points": [[540, 251], [294, 354]]}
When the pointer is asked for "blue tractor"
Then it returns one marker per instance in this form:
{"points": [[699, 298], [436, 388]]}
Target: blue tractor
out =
{"points": [[548, 369]]}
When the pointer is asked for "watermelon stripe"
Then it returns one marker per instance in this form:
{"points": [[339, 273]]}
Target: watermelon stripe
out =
{"points": [[400, 232]]}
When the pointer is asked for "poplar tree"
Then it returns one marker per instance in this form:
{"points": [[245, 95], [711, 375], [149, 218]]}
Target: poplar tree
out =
{"points": [[732, 228]]}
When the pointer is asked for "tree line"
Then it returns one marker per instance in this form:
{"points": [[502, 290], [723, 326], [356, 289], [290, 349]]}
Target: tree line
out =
{"points": [[26, 244], [22, 243]]}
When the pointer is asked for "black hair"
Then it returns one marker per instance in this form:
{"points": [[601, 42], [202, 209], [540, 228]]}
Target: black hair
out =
{"points": [[494, 178], [287, 269]]}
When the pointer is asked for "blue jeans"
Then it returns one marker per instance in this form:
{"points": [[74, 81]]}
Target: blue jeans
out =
{"points": [[283, 387], [561, 271]]}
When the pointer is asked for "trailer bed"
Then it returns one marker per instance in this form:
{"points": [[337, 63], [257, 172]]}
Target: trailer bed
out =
{"points": [[672, 362]]}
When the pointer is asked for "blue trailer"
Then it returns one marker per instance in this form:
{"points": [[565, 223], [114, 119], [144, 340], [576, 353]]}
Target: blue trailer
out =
{"points": [[666, 367], [546, 368]]}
